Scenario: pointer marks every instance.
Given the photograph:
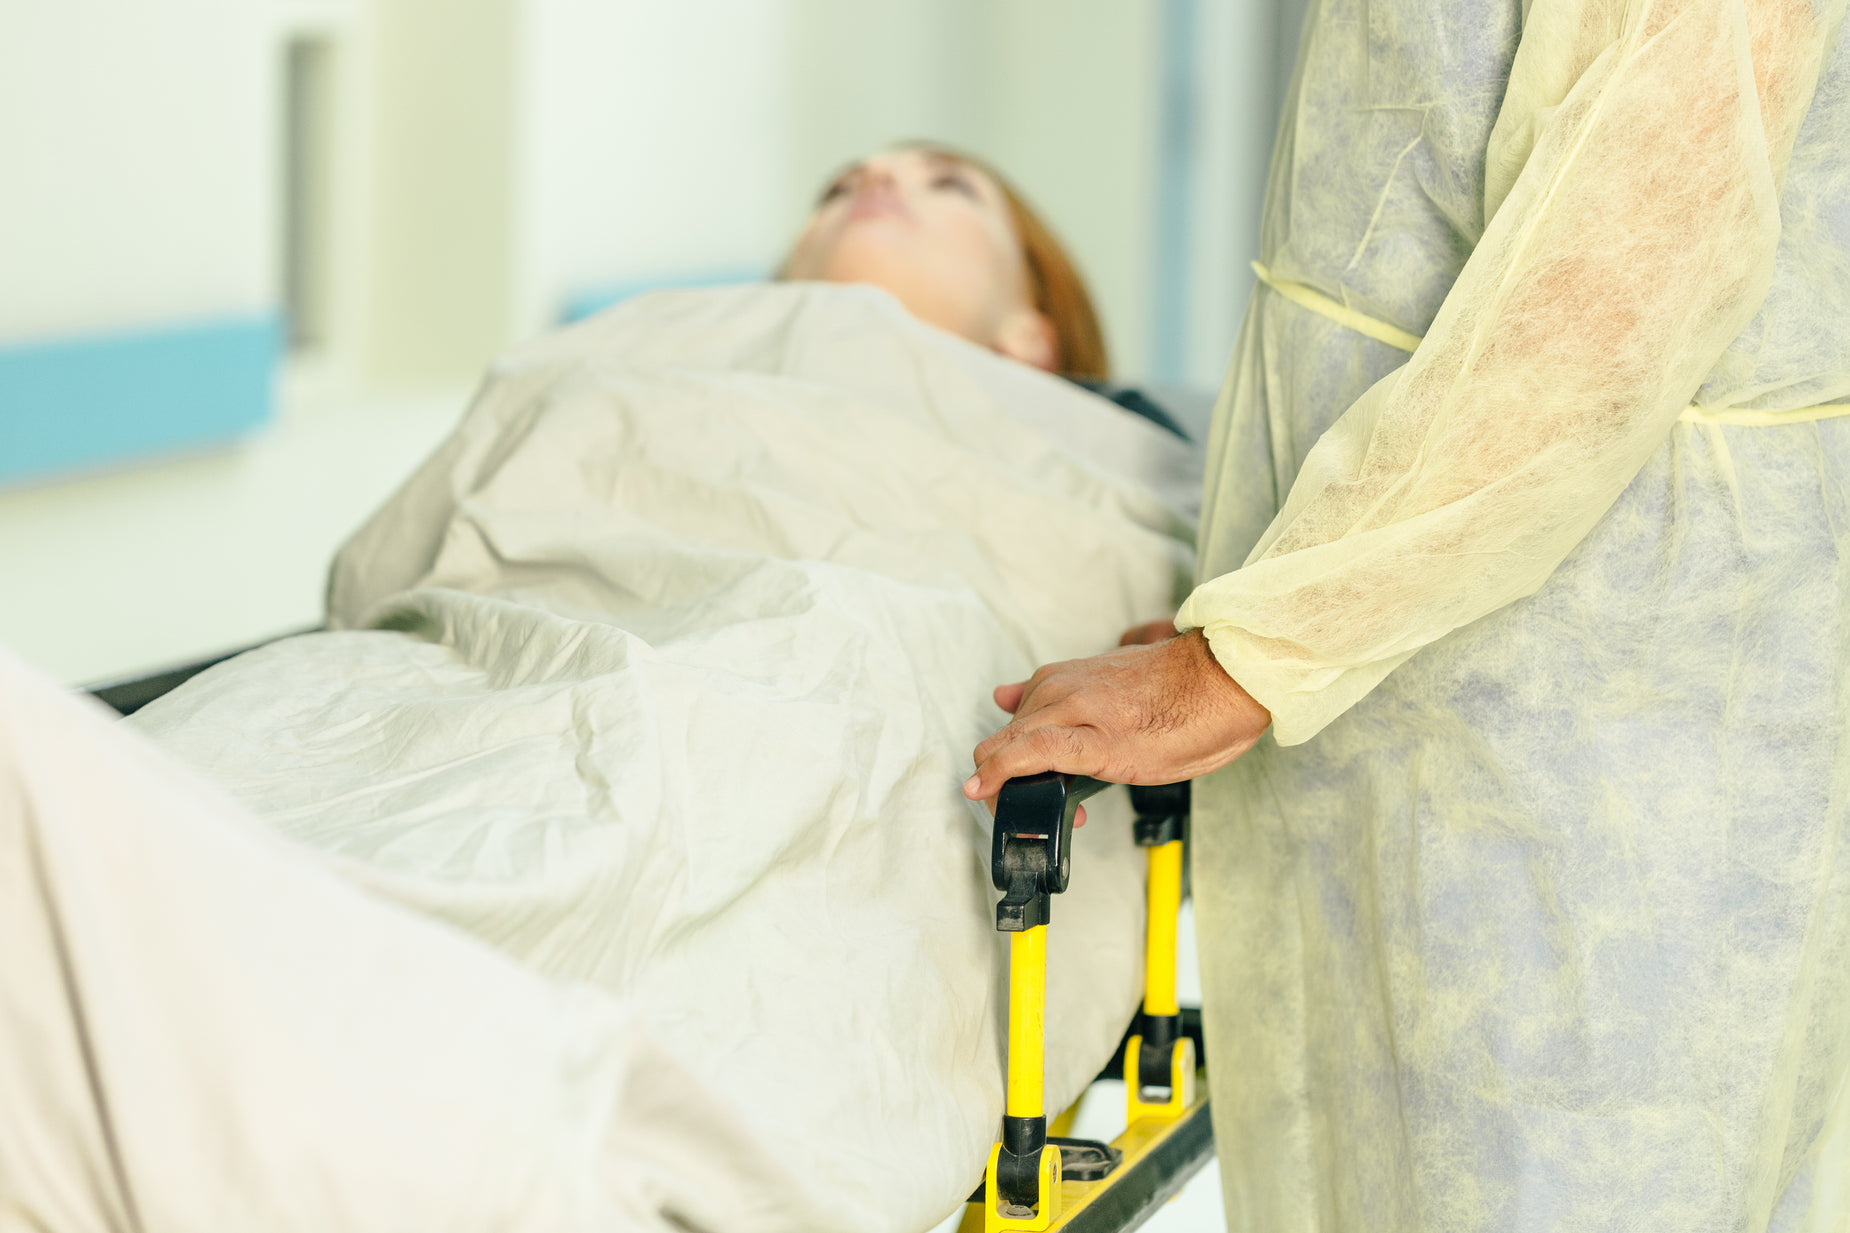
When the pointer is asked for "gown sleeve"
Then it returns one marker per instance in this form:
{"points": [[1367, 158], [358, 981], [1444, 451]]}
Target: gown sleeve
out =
{"points": [[1633, 238]]}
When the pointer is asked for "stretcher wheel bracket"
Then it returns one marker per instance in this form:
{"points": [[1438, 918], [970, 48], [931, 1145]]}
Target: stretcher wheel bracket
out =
{"points": [[1167, 1092]]}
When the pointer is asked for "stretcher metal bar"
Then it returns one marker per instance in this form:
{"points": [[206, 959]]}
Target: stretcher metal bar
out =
{"points": [[1160, 1156], [126, 695], [1027, 1022]]}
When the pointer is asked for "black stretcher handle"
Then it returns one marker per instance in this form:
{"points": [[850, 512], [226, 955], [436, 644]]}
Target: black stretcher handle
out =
{"points": [[1031, 855]]}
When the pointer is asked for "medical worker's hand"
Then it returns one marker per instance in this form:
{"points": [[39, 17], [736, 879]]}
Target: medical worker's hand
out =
{"points": [[1158, 713]]}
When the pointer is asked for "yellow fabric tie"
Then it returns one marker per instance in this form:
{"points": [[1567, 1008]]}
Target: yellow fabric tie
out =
{"points": [[1341, 314], [1394, 336]]}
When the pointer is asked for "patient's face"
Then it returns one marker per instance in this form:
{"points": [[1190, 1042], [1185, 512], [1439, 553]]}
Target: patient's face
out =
{"points": [[936, 233]]}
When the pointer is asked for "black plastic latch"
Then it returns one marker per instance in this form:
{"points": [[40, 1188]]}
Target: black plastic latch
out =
{"points": [[1018, 1164], [1030, 858], [1081, 1160], [1162, 811], [1086, 1160], [1154, 1072]]}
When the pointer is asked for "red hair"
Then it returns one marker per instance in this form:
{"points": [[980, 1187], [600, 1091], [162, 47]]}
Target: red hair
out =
{"points": [[1054, 283]]}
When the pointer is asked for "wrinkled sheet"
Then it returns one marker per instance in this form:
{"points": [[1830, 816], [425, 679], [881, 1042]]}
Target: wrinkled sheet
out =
{"points": [[200, 1030], [661, 676], [1536, 914]]}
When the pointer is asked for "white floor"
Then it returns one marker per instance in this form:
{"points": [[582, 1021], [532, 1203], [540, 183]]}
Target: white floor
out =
{"points": [[108, 575], [153, 564]]}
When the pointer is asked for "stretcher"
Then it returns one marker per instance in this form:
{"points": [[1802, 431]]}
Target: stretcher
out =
{"points": [[1038, 1179]]}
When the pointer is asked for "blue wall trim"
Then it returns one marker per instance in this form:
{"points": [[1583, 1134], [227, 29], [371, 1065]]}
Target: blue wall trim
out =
{"points": [[72, 403], [594, 300]]}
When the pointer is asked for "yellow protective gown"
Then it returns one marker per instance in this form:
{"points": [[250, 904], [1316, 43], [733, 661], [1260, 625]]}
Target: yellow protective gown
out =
{"points": [[1534, 911]]}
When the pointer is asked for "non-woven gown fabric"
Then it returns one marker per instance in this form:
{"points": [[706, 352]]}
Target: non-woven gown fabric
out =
{"points": [[660, 678], [1534, 912]]}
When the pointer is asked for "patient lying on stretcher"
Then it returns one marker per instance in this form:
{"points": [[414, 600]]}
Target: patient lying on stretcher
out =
{"points": [[954, 243], [638, 727]]}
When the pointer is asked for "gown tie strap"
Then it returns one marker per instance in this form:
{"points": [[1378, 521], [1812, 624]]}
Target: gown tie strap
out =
{"points": [[1373, 327]]}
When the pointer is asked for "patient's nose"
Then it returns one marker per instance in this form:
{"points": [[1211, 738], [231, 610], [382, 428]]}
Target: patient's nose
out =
{"points": [[876, 177], [877, 191]]}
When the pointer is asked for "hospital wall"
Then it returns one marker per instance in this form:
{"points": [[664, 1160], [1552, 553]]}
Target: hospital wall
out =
{"points": [[459, 171], [644, 145], [126, 256], [648, 144], [109, 223]]}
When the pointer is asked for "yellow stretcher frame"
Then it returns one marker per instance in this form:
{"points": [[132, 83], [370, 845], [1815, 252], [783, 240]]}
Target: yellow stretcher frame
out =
{"points": [[1160, 1156], [1168, 1134]]}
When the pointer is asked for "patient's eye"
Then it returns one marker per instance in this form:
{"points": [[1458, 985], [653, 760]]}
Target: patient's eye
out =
{"points": [[833, 191], [958, 182]]}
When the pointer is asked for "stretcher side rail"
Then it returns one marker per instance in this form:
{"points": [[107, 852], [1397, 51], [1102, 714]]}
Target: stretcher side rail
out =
{"points": [[126, 695], [1149, 1178]]}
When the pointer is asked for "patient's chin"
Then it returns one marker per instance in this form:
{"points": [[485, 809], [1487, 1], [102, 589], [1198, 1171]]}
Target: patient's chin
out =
{"points": [[930, 304], [937, 292]]}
